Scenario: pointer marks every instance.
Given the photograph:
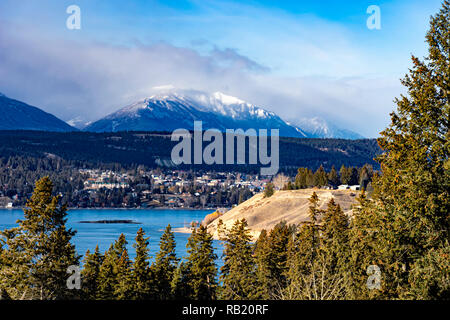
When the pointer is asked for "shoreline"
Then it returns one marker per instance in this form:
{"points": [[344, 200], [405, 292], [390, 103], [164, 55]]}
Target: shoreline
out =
{"points": [[113, 208]]}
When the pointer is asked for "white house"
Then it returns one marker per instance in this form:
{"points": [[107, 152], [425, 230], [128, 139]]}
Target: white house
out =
{"points": [[343, 187], [355, 187]]}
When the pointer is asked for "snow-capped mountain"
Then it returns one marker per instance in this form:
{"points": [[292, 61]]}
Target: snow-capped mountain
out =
{"points": [[17, 115], [78, 122], [170, 111], [319, 128]]}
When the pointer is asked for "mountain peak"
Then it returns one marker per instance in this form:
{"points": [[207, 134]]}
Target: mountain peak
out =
{"points": [[169, 109], [17, 115], [203, 98], [226, 99], [317, 127]]}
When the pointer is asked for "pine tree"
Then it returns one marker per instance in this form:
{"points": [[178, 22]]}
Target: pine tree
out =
{"points": [[278, 245], [334, 235], [200, 265], [289, 186], [262, 260], [142, 277], [365, 176], [123, 289], [300, 179], [238, 274], [165, 265], [411, 196], [309, 178], [90, 274], [4, 294], [119, 246], [271, 253], [333, 177], [334, 251], [38, 252], [180, 285], [303, 253], [364, 235], [109, 272], [107, 276], [345, 175], [354, 178], [320, 177], [269, 190], [314, 211]]}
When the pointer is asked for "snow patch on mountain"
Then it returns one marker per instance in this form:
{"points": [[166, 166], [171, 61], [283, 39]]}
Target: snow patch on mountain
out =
{"points": [[317, 127], [168, 109]]}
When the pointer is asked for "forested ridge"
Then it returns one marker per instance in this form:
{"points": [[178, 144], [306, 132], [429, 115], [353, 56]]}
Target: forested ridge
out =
{"points": [[130, 149]]}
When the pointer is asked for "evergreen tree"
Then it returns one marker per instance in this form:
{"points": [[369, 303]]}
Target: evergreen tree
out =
{"points": [[200, 265], [37, 253], [410, 210], [320, 177], [180, 285], [124, 287], [262, 260], [345, 175], [4, 294], [303, 253], [335, 251], [269, 190], [300, 179], [309, 175], [333, 177], [108, 275], [363, 238], [142, 277], [365, 176], [274, 258], [354, 178], [334, 235], [289, 186], [238, 274], [165, 265], [90, 274]]}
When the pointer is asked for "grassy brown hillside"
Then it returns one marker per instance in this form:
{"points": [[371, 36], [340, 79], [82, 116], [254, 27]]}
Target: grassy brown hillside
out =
{"points": [[291, 206]]}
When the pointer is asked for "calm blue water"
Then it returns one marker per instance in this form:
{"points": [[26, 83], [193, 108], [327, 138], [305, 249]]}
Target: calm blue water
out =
{"points": [[152, 221]]}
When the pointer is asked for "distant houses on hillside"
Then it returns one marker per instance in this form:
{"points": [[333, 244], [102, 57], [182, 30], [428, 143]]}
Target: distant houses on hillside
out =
{"points": [[347, 187], [6, 202]]}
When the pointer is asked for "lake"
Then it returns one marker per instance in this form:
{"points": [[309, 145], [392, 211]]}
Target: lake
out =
{"points": [[152, 221]]}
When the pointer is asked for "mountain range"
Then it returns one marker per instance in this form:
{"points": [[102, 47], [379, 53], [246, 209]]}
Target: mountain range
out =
{"points": [[17, 115], [168, 111], [319, 128]]}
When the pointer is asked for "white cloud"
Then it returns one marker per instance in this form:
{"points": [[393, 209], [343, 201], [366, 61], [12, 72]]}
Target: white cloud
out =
{"points": [[89, 80]]}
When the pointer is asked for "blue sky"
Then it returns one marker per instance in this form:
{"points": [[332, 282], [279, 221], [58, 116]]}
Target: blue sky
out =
{"points": [[298, 58]]}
